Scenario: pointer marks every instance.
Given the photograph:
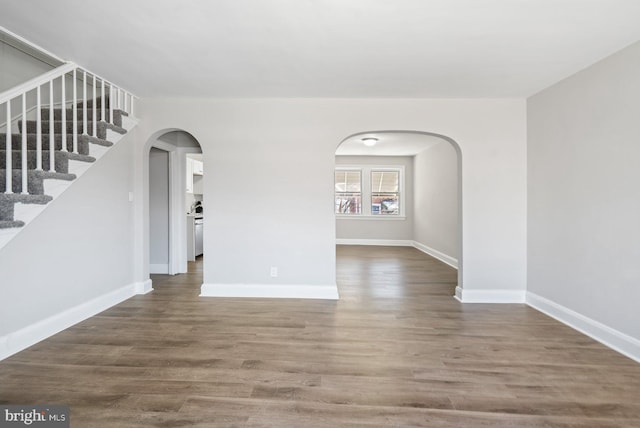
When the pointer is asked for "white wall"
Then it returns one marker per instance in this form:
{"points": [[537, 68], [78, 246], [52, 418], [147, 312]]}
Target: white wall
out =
{"points": [[436, 218], [387, 229], [79, 249], [159, 210], [18, 67], [584, 193], [255, 148]]}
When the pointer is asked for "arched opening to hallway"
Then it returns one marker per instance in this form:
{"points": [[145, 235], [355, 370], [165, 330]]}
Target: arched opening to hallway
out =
{"points": [[175, 218]]}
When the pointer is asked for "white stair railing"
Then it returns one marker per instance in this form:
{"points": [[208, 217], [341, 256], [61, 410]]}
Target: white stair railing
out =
{"points": [[56, 83]]}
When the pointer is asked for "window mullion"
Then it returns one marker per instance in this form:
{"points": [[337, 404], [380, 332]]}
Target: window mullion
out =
{"points": [[366, 191]]}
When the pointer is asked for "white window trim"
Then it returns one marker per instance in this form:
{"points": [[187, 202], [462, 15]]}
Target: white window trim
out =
{"points": [[365, 174]]}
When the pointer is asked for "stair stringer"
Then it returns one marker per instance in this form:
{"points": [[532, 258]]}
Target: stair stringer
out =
{"points": [[54, 188], [75, 259]]}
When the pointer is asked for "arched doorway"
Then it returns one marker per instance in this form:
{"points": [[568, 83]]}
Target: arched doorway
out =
{"points": [[169, 200], [401, 188]]}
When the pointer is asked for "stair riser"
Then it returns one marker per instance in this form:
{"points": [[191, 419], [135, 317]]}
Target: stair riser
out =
{"points": [[57, 128], [83, 146], [61, 161], [57, 115], [98, 102], [6, 210], [34, 183]]}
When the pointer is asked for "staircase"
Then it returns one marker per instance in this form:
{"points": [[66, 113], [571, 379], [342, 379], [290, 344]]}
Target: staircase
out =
{"points": [[41, 156]]}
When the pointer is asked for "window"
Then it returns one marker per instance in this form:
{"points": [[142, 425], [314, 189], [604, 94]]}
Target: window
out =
{"points": [[385, 189], [369, 192], [348, 192]]}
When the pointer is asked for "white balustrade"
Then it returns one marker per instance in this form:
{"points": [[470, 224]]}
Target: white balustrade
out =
{"points": [[110, 103], [52, 134], [63, 109], [74, 112], [95, 109], [9, 144], [116, 96], [102, 100], [38, 131], [84, 112], [24, 164]]}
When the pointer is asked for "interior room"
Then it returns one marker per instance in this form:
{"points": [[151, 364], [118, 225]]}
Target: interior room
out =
{"points": [[418, 212]]}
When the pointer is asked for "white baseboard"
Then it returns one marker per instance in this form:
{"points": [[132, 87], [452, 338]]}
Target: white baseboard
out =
{"points": [[288, 291], [21, 339], [490, 296], [614, 339], [159, 268], [143, 287], [380, 242], [436, 254]]}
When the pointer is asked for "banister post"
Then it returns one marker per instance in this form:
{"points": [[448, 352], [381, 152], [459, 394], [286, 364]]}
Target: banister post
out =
{"points": [[63, 110], [102, 101], [9, 154], [84, 105], [38, 131], [111, 103], [95, 108], [52, 135], [74, 111], [24, 165]]}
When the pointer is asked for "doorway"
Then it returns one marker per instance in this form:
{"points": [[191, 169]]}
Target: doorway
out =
{"points": [[169, 184], [400, 189], [159, 212]]}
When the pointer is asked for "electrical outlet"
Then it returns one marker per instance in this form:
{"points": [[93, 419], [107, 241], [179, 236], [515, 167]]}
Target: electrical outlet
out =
{"points": [[274, 272]]}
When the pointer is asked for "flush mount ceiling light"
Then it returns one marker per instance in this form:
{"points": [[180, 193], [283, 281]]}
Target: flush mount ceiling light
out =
{"points": [[369, 141]]}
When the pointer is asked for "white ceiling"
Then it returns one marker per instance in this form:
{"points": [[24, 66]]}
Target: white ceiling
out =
{"points": [[329, 48], [390, 143]]}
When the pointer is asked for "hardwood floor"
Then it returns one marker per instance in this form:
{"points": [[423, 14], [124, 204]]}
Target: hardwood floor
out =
{"points": [[396, 350]]}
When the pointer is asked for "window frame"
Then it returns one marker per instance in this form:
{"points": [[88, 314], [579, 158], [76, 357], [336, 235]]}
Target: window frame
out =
{"points": [[366, 193], [362, 201]]}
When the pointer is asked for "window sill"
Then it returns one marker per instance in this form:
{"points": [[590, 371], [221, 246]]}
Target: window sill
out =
{"points": [[369, 217]]}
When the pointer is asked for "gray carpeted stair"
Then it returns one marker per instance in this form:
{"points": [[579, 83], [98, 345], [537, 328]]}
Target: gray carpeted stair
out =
{"points": [[7, 204], [16, 142], [98, 103], [57, 114], [101, 127], [35, 179], [61, 161]]}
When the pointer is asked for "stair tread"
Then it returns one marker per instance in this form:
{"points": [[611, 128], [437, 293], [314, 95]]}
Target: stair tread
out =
{"points": [[31, 136], [46, 120], [95, 140], [79, 157], [10, 224], [116, 128], [101, 127], [44, 175], [33, 152], [25, 199]]}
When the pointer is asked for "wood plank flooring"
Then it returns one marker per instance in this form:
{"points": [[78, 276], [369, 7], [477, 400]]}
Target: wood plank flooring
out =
{"points": [[396, 351]]}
